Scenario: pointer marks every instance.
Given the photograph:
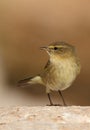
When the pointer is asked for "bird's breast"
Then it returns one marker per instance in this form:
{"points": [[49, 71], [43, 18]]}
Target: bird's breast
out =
{"points": [[60, 74]]}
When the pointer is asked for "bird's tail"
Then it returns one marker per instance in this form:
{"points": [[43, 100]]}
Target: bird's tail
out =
{"points": [[30, 80], [24, 82]]}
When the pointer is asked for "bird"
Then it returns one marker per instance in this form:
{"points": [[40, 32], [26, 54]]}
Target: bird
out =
{"points": [[60, 71]]}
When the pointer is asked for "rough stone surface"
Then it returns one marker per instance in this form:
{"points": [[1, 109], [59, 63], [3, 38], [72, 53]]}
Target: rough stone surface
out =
{"points": [[45, 118]]}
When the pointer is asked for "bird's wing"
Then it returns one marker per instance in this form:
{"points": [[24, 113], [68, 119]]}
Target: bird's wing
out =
{"points": [[32, 80]]}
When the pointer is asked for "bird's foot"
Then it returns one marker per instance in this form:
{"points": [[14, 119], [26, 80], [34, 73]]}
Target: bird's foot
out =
{"points": [[65, 105], [53, 105]]}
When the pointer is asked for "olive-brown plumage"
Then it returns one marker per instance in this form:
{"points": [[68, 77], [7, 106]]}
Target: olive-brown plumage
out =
{"points": [[61, 69]]}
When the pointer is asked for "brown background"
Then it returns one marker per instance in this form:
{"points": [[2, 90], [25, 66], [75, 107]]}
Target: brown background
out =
{"points": [[24, 27]]}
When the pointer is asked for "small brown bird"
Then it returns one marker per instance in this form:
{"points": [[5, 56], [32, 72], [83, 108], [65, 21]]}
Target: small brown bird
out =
{"points": [[60, 71]]}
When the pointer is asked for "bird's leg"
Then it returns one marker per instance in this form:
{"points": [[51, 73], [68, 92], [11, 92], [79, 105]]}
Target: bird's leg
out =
{"points": [[62, 98], [51, 103]]}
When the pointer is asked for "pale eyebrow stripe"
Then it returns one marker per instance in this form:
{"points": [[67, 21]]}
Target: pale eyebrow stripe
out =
{"points": [[57, 46]]}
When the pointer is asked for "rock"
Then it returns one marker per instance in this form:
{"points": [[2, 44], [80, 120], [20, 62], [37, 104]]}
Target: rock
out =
{"points": [[45, 118]]}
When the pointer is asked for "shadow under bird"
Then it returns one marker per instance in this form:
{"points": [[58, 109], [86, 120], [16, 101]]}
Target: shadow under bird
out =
{"points": [[60, 71]]}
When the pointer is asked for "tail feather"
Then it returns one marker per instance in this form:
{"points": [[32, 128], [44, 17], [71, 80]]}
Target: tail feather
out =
{"points": [[24, 82], [30, 80]]}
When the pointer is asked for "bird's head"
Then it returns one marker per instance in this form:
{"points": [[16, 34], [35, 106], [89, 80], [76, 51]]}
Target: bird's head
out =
{"points": [[60, 49]]}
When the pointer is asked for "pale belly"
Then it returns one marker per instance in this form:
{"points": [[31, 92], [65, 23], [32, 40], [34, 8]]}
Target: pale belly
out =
{"points": [[61, 76], [62, 79]]}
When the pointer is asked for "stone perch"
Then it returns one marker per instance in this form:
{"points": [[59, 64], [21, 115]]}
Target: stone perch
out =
{"points": [[45, 118]]}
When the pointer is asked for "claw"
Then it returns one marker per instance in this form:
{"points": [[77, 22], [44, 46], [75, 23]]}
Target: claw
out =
{"points": [[53, 105]]}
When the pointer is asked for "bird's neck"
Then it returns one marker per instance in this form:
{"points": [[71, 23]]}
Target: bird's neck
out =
{"points": [[58, 59]]}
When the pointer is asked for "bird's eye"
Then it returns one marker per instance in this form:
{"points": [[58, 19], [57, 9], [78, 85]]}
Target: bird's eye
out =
{"points": [[55, 48]]}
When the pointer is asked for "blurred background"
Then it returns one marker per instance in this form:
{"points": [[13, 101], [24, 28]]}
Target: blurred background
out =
{"points": [[25, 26]]}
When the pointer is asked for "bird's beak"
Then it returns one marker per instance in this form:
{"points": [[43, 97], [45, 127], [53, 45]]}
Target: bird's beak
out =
{"points": [[44, 48]]}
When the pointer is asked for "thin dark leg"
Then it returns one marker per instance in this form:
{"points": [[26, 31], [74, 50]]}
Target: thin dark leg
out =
{"points": [[62, 98], [51, 103]]}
